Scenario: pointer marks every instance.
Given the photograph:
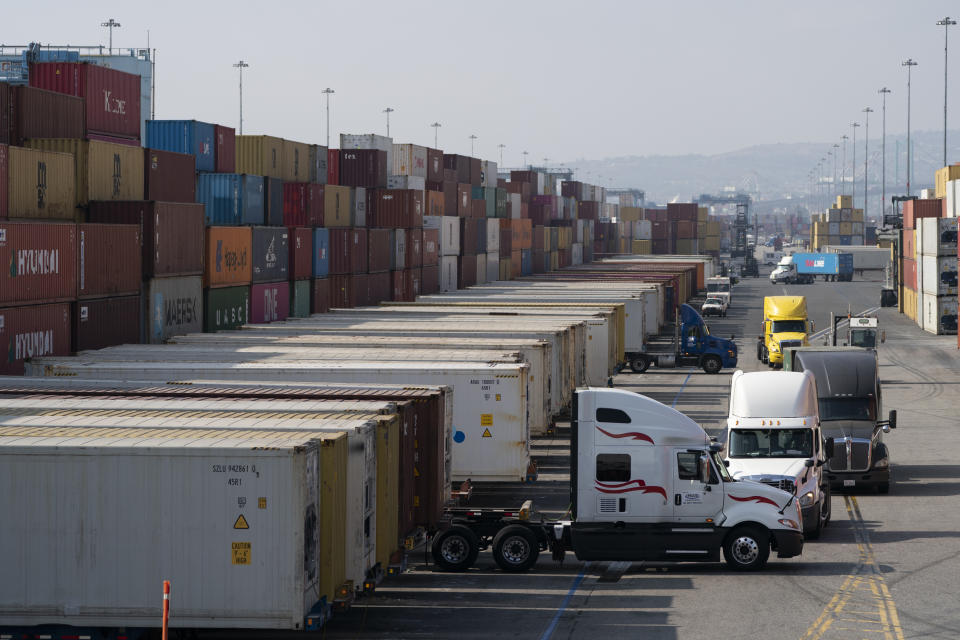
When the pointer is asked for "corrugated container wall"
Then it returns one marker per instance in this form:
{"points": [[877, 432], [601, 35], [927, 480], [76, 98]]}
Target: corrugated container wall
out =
{"points": [[231, 198], [363, 168], [98, 324], [369, 141], [112, 97], [336, 206], [302, 204], [41, 184], [321, 253], [184, 136], [272, 202], [169, 176], [270, 254], [172, 233], [228, 261], [434, 165], [109, 259], [40, 262], [296, 161], [172, 306], [301, 253], [225, 309], [103, 170], [6, 109], [269, 302], [36, 113], [4, 178], [225, 151], [318, 164], [260, 155], [30, 332], [409, 160]]}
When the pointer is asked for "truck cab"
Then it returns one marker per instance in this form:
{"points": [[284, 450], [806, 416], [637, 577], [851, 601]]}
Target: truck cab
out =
{"points": [[774, 437], [785, 326], [693, 346], [784, 272], [850, 405], [864, 332], [720, 287]]}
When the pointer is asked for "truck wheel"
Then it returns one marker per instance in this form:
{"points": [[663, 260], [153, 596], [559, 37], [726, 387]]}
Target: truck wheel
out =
{"points": [[712, 364], [455, 549], [746, 549], [814, 533], [515, 548], [765, 357], [639, 364], [827, 505]]}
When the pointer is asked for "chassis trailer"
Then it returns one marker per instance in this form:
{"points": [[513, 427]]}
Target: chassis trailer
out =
{"points": [[646, 483], [693, 346]]}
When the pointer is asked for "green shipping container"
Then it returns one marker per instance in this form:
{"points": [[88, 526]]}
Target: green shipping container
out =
{"points": [[225, 309], [490, 197], [501, 203], [300, 299]]}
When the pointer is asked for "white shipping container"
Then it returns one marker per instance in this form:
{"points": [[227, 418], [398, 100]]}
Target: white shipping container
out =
{"points": [[938, 275], [939, 314], [951, 199], [112, 516], [488, 177], [937, 237], [493, 265], [490, 428], [368, 141], [576, 253], [642, 230], [398, 245], [409, 160], [450, 237], [493, 236], [358, 207], [172, 306], [927, 194], [448, 273], [406, 182], [481, 268]]}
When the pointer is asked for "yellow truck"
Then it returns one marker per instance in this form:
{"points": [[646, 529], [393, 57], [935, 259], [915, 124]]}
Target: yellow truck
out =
{"points": [[785, 325]]}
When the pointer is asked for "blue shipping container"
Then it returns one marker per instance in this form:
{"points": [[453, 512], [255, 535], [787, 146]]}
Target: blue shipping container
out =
{"points": [[824, 263], [526, 262], [273, 201], [321, 252], [183, 136], [231, 199]]}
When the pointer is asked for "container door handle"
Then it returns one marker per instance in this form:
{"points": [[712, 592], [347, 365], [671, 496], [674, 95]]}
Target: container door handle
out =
{"points": [[676, 499]]}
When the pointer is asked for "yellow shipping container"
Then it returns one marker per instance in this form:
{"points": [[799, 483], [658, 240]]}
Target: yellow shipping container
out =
{"points": [[42, 184], [388, 490], [846, 228], [944, 175], [631, 214], [260, 156], [102, 170], [710, 243], [702, 213], [640, 247], [844, 202], [332, 542], [554, 260], [909, 303], [857, 215], [336, 206], [701, 229], [713, 228], [296, 161], [505, 268]]}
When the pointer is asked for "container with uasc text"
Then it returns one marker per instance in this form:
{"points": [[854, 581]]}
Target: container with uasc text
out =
{"points": [[226, 308]]}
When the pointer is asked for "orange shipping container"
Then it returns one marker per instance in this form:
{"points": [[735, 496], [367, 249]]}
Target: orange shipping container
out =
{"points": [[227, 261]]}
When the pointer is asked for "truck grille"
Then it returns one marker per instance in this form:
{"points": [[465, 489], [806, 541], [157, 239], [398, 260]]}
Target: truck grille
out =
{"points": [[858, 458], [789, 344], [783, 485]]}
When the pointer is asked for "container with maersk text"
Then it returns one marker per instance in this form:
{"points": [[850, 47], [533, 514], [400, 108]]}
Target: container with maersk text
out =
{"points": [[172, 306], [31, 332], [225, 309]]}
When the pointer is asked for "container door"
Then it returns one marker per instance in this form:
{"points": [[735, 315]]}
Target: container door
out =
{"points": [[694, 501]]}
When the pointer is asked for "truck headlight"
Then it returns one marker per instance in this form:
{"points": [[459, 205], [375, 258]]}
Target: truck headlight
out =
{"points": [[775, 348], [806, 499], [882, 463], [787, 522]]}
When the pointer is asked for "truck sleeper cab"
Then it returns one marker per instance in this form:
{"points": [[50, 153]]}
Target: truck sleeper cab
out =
{"points": [[784, 326], [646, 484]]}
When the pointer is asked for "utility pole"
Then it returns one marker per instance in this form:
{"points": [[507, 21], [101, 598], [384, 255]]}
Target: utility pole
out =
{"points": [[853, 167], [436, 128], [110, 24], [472, 138], [501, 146], [328, 92], [843, 166], [836, 150], [525, 154], [866, 157], [883, 189], [241, 65], [388, 111], [945, 23], [909, 64]]}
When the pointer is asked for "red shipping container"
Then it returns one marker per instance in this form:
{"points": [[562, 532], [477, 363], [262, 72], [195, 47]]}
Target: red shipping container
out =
{"points": [[341, 243], [435, 205], [478, 209], [169, 176], [659, 247], [430, 280], [269, 302], [913, 209], [434, 165], [506, 237], [909, 271], [398, 286], [362, 289], [660, 230], [301, 253], [430, 248], [109, 260], [396, 208], [909, 244], [363, 168], [224, 149], [682, 211], [39, 263], [515, 260], [451, 195], [476, 172], [112, 97], [378, 287], [469, 237], [302, 204], [378, 250], [36, 113], [467, 271], [414, 246], [6, 107], [464, 201], [523, 188], [98, 324], [333, 166], [31, 332], [171, 233], [686, 229], [4, 179], [589, 211], [342, 293], [320, 295], [358, 250], [459, 165]]}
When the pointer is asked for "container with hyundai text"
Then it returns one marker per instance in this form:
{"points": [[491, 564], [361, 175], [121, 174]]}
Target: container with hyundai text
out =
{"points": [[31, 332], [40, 262]]}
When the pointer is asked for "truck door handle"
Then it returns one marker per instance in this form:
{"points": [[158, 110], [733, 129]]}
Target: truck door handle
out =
{"points": [[676, 499]]}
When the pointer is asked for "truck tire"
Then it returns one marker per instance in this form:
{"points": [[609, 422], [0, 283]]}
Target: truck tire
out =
{"points": [[711, 364], [640, 364], [765, 357], [814, 533], [515, 548], [746, 548], [827, 504], [455, 549]]}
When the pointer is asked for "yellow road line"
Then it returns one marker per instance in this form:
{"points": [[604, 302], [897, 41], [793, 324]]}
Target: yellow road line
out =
{"points": [[863, 603]]}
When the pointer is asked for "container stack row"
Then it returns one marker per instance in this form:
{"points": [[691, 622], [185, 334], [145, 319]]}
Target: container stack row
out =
{"points": [[841, 225]]}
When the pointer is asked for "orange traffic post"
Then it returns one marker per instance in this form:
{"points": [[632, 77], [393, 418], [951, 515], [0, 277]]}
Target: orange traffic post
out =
{"points": [[166, 609]]}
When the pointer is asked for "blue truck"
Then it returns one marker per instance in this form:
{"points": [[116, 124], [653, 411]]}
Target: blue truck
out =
{"points": [[803, 268], [693, 346]]}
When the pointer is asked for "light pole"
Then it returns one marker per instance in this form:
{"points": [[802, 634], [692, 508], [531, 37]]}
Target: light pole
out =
{"points": [[843, 166], [945, 23], [501, 146], [853, 168], [866, 156], [110, 24], [327, 92], [836, 150], [883, 161], [909, 64], [388, 111], [436, 129], [525, 154], [472, 138], [241, 65]]}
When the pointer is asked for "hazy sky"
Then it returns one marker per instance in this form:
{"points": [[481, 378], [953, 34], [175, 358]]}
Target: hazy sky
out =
{"points": [[561, 79]]}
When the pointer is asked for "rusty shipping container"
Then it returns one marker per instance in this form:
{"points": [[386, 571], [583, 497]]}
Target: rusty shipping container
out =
{"points": [[336, 206], [41, 185], [224, 149], [171, 233], [31, 332], [378, 250], [109, 260], [319, 295], [6, 108], [260, 156], [169, 176], [112, 97], [430, 247], [333, 166], [296, 161], [270, 254], [341, 251], [102, 323], [227, 260], [363, 168], [466, 271], [302, 204], [37, 113], [460, 165], [103, 170], [172, 306], [434, 203], [301, 253], [39, 262], [470, 236]]}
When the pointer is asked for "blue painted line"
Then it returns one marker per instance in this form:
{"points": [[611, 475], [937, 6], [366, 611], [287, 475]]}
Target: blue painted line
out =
{"points": [[682, 387], [566, 602]]}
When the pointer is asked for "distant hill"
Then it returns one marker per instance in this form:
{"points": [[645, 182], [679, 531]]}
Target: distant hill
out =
{"points": [[769, 171]]}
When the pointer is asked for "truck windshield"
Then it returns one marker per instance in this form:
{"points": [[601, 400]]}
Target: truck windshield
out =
{"points": [[721, 468], [788, 326], [771, 443], [715, 287], [847, 409], [866, 339]]}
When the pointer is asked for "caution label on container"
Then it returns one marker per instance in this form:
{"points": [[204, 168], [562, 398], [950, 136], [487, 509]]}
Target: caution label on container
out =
{"points": [[487, 434], [241, 523], [486, 419], [240, 552]]}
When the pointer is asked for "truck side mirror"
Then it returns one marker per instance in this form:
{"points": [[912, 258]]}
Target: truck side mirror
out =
{"points": [[813, 326], [704, 469], [828, 448], [893, 419], [808, 463]]}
